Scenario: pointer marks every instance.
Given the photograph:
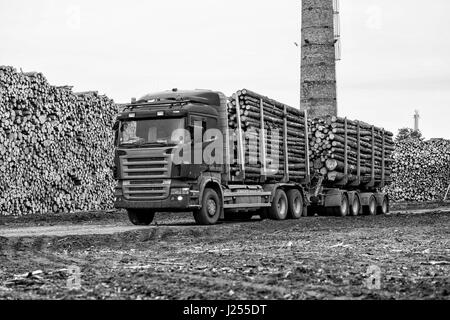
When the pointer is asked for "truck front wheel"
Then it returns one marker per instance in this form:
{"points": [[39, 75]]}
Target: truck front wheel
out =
{"points": [[140, 217], [279, 208], [209, 214]]}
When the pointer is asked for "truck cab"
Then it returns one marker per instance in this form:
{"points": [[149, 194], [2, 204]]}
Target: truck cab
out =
{"points": [[150, 134]]}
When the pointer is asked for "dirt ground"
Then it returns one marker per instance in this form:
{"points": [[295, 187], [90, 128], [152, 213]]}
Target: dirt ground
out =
{"points": [[312, 258]]}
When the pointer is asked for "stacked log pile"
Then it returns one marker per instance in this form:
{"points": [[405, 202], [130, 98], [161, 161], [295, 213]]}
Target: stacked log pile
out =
{"points": [[250, 104], [55, 147], [330, 137], [421, 170]]}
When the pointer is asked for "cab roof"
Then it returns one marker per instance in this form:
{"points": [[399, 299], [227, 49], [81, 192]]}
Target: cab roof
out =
{"points": [[174, 102], [206, 96]]}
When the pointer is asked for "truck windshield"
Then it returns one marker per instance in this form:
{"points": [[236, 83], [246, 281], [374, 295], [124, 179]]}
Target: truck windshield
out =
{"points": [[150, 131]]}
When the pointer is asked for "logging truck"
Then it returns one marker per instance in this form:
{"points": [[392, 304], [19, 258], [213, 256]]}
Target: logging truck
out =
{"points": [[182, 151]]}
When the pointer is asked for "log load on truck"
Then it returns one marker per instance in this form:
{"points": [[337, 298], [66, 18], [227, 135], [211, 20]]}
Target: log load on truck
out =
{"points": [[221, 158]]}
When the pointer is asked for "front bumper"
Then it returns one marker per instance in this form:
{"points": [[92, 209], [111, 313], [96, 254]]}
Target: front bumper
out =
{"points": [[168, 205]]}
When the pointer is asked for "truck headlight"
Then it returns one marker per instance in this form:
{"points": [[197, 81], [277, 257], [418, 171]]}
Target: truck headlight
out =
{"points": [[179, 191]]}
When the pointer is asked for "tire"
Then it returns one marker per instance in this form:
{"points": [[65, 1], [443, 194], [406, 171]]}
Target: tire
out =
{"points": [[295, 204], [279, 209], [371, 209], [140, 217], [209, 214], [356, 206], [384, 208], [343, 209]]}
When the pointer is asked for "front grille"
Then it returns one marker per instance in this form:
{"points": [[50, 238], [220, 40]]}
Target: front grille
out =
{"points": [[146, 159], [140, 182], [144, 175], [145, 189], [139, 173], [145, 167]]}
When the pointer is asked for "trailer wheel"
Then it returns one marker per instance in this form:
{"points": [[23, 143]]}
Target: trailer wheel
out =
{"points": [[295, 204], [279, 208], [344, 208], [209, 214], [371, 209], [384, 208], [140, 217], [356, 206]]}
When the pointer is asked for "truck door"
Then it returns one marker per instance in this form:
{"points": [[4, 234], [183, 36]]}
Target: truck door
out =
{"points": [[200, 125], [198, 129]]}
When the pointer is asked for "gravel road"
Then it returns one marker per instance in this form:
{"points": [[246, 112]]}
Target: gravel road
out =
{"points": [[312, 258]]}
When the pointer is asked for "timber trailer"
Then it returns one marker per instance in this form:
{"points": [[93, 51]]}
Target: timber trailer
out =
{"points": [[150, 181]]}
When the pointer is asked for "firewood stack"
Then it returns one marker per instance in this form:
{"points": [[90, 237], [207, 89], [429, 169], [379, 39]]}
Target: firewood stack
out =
{"points": [[421, 170], [250, 104], [327, 151], [55, 147]]}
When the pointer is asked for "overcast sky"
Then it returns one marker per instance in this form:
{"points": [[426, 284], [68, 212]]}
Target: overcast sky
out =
{"points": [[395, 54]]}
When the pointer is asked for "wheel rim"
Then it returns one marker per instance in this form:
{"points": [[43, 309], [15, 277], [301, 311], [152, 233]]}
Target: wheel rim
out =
{"points": [[211, 207], [297, 205], [281, 205]]}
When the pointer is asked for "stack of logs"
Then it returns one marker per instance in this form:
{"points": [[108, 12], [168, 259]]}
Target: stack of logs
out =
{"points": [[250, 104], [421, 170], [327, 138], [55, 147]]}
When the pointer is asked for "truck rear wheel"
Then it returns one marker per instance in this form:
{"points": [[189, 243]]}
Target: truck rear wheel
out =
{"points": [[384, 208], [343, 209], [371, 209], [295, 204], [279, 208], [209, 214], [356, 206], [141, 217]]}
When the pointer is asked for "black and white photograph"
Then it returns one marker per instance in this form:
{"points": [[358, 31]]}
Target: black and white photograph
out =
{"points": [[224, 155]]}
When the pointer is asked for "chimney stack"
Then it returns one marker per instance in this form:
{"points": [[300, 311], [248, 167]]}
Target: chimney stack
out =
{"points": [[416, 121], [320, 50]]}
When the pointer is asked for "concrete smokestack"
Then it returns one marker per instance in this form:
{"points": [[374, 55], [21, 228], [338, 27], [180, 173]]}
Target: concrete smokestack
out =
{"points": [[416, 121], [320, 33]]}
